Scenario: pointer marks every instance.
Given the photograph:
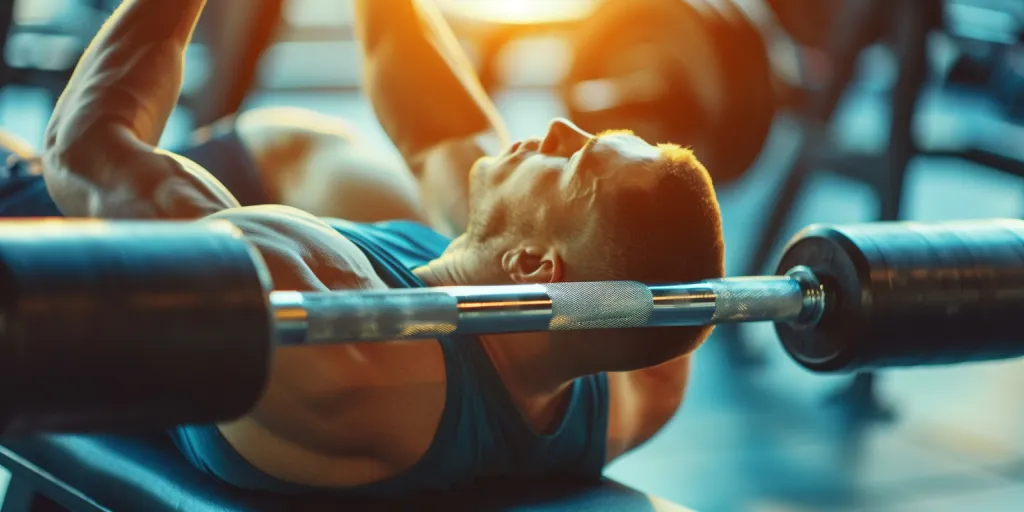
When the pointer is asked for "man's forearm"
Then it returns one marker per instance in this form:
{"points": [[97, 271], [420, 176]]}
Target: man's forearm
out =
{"points": [[422, 86], [132, 68], [99, 154], [152, 20]]}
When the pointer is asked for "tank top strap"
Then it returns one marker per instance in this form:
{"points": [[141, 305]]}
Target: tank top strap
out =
{"points": [[576, 445]]}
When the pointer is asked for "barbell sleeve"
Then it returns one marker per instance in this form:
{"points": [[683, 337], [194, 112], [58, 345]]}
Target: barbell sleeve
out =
{"points": [[905, 294], [109, 325], [362, 316]]}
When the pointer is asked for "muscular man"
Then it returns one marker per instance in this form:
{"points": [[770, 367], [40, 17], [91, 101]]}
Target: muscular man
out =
{"points": [[401, 417]]}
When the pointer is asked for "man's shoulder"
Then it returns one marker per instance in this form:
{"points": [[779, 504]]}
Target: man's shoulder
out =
{"points": [[367, 255], [405, 243], [301, 251]]}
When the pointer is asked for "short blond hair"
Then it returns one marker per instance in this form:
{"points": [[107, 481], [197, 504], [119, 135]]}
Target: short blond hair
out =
{"points": [[671, 233]]}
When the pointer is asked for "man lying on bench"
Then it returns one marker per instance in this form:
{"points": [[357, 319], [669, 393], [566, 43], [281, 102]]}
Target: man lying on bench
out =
{"points": [[402, 417]]}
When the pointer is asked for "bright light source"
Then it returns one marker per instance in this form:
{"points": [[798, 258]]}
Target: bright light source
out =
{"points": [[519, 11]]}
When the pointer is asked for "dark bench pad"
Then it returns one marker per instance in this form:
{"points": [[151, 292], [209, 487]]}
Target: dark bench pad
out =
{"points": [[147, 473]]}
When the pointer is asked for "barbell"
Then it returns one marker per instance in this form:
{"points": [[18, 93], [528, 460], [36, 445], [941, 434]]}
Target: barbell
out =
{"points": [[105, 325]]}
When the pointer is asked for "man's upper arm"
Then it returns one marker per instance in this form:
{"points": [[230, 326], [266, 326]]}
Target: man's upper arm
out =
{"points": [[649, 398], [429, 100], [422, 85], [444, 178]]}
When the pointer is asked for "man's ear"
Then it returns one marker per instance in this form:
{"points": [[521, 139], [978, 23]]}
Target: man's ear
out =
{"points": [[532, 264]]}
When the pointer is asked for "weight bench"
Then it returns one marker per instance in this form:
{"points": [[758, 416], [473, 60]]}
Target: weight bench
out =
{"points": [[146, 472]]}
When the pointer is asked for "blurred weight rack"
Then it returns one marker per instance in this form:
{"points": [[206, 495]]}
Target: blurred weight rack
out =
{"points": [[906, 26], [908, 29], [42, 41]]}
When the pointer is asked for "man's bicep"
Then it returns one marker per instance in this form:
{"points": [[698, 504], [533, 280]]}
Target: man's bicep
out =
{"points": [[444, 176]]}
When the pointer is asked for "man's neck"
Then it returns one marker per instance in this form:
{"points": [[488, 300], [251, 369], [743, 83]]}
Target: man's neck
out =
{"points": [[440, 272], [523, 359]]}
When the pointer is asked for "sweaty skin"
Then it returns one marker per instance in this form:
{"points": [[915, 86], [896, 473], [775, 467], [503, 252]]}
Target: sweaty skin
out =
{"points": [[355, 413]]}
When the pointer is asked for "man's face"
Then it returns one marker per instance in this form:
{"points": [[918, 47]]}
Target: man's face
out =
{"points": [[560, 179]]}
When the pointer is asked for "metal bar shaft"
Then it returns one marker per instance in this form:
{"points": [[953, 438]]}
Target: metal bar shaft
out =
{"points": [[360, 316]]}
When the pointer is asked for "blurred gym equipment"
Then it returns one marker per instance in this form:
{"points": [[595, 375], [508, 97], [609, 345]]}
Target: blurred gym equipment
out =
{"points": [[695, 73], [699, 73], [990, 37], [691, 72], [489, 28], [807, 22], [905, 26], [42, 41]]}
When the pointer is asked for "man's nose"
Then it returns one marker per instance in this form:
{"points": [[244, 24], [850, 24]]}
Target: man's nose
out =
{"points": [[563, 138]]}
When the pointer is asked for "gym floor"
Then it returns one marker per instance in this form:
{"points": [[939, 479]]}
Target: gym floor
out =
{"points": [[771, 437]]}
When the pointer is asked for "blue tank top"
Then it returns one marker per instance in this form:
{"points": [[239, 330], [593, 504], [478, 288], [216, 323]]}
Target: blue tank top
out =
{"points": [[481, 434]]}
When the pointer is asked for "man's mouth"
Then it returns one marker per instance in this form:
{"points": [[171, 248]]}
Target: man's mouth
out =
{"points": [[533, 144]]}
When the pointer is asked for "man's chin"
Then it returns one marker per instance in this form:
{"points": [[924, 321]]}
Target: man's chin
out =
{"points": [[480, 168], [478, 173], [484, 162]]}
